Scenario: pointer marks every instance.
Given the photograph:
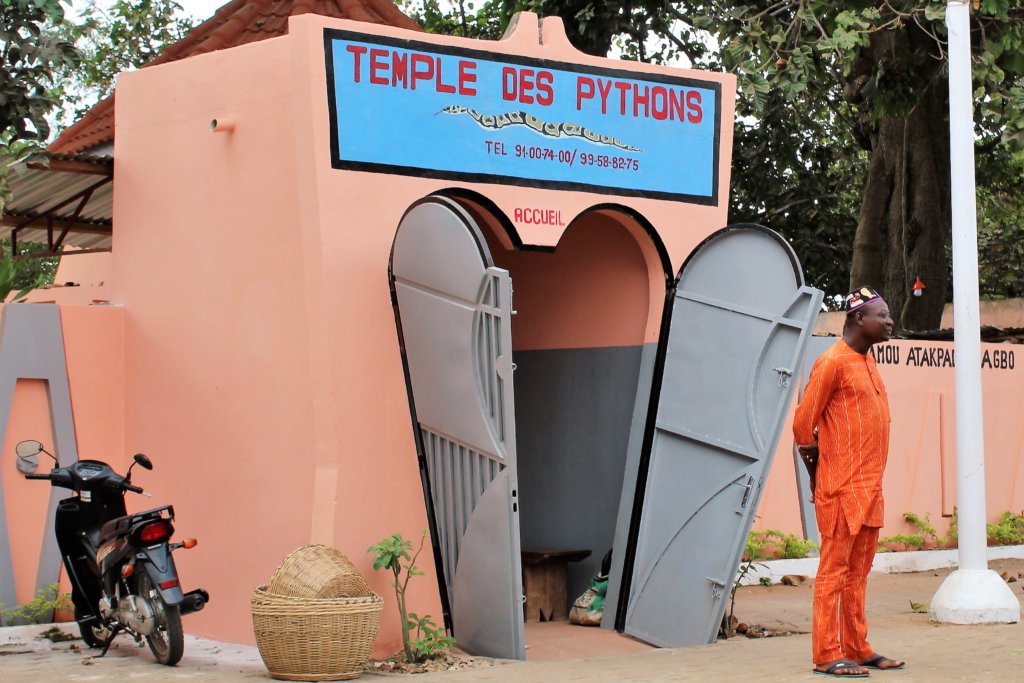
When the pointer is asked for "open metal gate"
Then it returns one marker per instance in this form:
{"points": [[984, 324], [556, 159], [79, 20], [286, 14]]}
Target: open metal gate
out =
{"points": [[740, 321], [453, 310]]}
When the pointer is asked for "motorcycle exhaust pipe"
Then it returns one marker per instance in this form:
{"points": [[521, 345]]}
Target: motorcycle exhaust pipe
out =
{"points": [[194, 601]]}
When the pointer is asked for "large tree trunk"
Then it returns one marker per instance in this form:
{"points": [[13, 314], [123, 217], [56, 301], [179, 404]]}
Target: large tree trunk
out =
{"points": [[905, 219]]}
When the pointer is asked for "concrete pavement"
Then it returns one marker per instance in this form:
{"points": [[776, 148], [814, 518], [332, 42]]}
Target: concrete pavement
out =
{"points": [[934, 652]]}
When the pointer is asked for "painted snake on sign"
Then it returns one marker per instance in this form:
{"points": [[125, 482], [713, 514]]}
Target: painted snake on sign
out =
{"points": [[551, 130]]}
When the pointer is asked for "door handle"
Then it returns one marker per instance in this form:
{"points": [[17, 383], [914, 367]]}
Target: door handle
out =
{"points": [[746, 492], [784, 375]]}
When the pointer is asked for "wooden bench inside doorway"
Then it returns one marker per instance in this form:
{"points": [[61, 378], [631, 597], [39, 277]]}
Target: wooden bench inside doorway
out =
{"points": [[545, 582]]}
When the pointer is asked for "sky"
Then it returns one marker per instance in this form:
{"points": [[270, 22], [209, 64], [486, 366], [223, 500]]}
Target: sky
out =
{"points": [[202, 9]]}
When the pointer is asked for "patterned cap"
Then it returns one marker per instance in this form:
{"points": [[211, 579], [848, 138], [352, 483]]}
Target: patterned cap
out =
{"points": [[859, 298]]}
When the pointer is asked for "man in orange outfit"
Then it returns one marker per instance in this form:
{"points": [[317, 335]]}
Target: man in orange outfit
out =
{"points": [[842, 431]]}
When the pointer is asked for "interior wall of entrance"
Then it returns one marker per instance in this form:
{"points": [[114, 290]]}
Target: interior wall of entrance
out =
{"points": [[585, 314]]}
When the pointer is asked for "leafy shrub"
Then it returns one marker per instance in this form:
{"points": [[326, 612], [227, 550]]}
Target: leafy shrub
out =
{"points": [[1009, 530], [900, 542], [771, 544], [924, 524], [430, 640], [38, 610]]}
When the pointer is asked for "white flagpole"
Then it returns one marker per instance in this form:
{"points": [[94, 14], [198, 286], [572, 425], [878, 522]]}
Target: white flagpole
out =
{"points": [[973, 594]]}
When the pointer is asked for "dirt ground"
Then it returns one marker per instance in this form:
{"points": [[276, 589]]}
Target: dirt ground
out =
{"points": [[934, 652], [889, 599]]}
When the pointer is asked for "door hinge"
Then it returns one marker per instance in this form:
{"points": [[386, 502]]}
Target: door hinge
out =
{"points": [[717, 587]]}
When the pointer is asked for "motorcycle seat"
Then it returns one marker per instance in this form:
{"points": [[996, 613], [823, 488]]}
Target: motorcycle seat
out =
{"points": [[119, 526], [116, 527]]}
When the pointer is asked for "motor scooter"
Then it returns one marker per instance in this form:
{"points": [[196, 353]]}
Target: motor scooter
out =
{"points": [[122, 573]]}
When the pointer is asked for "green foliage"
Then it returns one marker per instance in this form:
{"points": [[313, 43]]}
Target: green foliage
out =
{"points": [[924, 524], [1001, 225], [111, 38], [754, 547], [393, 553], [592, 27], [7, 276], [794, 547], [390, 552], [31, 56], [484, 20], [1008, 530], [765, 581], [900, 542], [773, 544], [1008, 527], [23, 275], [429, 639], [729, 621], [38, 610]]}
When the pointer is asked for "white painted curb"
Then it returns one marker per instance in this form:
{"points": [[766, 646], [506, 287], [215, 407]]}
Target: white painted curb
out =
{"points": [[886, 563]]}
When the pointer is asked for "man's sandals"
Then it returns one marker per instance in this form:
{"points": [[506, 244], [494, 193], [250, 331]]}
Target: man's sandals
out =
{"points": [[845, 668], [877, 661]]}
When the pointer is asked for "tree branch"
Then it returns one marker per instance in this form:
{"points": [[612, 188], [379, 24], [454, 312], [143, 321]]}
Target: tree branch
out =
{"points": [[685, 48], [797, 202]]}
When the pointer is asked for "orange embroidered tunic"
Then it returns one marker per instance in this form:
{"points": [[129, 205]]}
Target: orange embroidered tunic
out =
{"points": [[846, 400]]}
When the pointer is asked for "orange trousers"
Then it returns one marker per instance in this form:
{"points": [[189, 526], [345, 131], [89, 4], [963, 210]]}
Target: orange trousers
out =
{"points": [[839, 626]]}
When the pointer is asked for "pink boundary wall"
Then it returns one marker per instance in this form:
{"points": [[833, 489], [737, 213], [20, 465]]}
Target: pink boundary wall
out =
{"points": [[921, 472]]}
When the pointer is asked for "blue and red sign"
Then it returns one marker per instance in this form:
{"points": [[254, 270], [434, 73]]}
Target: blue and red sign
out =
{"points": [[413, 108]]}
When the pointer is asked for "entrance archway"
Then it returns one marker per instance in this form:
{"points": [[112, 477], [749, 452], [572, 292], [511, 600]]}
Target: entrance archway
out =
{"points": [[639, 423], [584, 338], [548, 469]]}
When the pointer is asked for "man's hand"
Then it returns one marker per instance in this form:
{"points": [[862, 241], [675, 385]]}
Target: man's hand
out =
{"points": [[809, 454]]}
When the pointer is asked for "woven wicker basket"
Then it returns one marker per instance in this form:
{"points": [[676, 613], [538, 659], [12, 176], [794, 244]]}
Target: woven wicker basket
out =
{"points": [[315, 639], [318, 571]]}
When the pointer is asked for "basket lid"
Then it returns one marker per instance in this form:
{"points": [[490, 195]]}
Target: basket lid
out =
{"points": [[318, 571]]}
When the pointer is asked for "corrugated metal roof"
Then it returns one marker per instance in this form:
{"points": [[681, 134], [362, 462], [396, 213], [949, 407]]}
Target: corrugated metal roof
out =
{"points": [[52, 190]]}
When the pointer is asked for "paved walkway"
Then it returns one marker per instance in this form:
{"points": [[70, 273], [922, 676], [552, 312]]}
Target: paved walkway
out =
{"points": [[934, 652]]}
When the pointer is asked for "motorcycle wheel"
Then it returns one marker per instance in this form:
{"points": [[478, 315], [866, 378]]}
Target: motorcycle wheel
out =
{"points": [[167, 641], [92, 636]]}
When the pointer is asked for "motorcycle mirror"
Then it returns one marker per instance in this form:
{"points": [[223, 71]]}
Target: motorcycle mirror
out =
{"points": [[26, 449], [143, 461], [27, 464]]}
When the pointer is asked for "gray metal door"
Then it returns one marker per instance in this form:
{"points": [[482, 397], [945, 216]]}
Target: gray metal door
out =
{"points": [[740, 322], [454, 312]]}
